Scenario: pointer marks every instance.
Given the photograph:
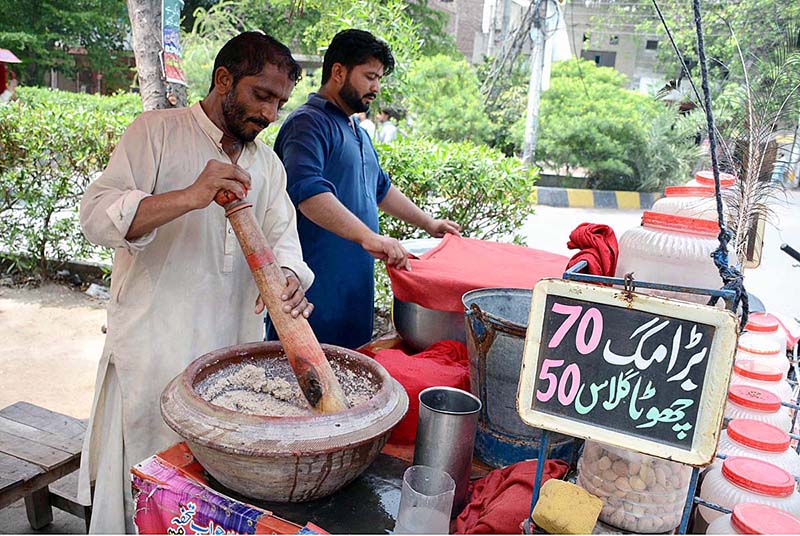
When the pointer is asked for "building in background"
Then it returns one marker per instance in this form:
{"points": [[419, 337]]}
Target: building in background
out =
{"points": [[480, 28]]}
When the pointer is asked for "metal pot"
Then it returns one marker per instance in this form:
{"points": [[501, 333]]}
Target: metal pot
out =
{"points": [[420, 327]]}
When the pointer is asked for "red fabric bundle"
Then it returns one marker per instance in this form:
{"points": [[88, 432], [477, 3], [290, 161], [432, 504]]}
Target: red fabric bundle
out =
{"points": [[440, 277], [598, 246], [444, 363], [502, 499]]}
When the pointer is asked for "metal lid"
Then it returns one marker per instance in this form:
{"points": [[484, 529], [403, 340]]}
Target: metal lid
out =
{"points": [[753, 518], [762, 323], [756, 370], [706, 178], [758, 435], [754, 398], [680, 224], [758, 476]]}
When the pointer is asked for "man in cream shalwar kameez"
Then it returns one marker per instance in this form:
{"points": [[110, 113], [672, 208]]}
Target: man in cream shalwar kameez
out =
{"points": [[184, 288]]}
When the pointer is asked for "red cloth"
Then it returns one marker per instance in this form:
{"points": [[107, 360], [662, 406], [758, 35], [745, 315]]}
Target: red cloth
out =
{"points": [[445, 363], [598, 246], [440, 277], [502, 499]]}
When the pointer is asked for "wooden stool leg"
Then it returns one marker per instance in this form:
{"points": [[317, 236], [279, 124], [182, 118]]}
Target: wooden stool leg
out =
{"points": [[37, 506]]}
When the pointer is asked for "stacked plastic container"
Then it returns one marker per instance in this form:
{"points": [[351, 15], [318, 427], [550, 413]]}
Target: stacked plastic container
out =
{"points": [[754, 518], [762, 375], [671, 249], [763, 342], [755, 439], [688, 201], [706, 178], [748, 402], [747, 480], [640, 493]]}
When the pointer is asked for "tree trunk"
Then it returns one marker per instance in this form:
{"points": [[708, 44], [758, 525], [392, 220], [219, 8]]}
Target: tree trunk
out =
{"points": [[145, 18]]}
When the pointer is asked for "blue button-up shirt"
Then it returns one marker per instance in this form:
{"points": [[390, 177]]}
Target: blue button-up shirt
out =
{"points": [[322, 152]]}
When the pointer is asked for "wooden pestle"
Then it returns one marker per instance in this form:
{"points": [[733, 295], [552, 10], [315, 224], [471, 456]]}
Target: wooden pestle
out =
{"points": [[308, 361]]}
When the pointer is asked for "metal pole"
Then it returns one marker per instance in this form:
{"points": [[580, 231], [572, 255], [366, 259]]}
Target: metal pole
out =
{"points": [[535, 85]]}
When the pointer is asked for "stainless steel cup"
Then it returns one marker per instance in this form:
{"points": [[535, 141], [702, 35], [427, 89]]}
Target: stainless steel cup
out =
{"points": [[448, 418]]}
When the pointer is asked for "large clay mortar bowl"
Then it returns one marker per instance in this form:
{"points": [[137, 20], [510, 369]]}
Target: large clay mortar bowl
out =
{"points": [[287, 459]]}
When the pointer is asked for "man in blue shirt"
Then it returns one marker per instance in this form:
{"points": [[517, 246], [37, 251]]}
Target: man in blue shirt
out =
{"points": [[335, 181]]}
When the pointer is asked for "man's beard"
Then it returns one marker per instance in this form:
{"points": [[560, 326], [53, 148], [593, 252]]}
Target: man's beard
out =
{"points": [[352, 99], [236, 118]]}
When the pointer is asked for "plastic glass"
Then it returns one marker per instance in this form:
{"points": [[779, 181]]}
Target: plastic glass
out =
{"points": [[425, 501]]}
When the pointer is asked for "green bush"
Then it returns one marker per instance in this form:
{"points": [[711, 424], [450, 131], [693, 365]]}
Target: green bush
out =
{"points": [[589, 120], [487, 193], [445, 102], [53, 144]]}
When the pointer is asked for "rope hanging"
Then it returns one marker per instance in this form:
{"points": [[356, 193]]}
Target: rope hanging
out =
{"points": [[731, 276]]}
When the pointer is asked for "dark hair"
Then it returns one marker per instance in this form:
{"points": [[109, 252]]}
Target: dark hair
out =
{"points": [[248, 53], [356, 47]]}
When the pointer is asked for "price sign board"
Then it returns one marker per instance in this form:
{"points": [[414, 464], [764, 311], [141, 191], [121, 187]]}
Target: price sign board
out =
{"points": [[639, 372]]}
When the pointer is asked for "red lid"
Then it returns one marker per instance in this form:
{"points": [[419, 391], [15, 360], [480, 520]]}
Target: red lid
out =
{"points": [[756, 370], [706, 178], [759, 476], [752, 518], [758, 435], [762, 323], [754, 398], [689, 191], [680, 224]]}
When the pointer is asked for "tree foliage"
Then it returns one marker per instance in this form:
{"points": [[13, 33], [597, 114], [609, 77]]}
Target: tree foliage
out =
{"points": [[41, 33], [52, 144], [445, 102]]}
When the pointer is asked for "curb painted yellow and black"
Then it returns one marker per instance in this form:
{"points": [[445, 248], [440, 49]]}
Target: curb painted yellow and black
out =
{"points": [[580, 198]]}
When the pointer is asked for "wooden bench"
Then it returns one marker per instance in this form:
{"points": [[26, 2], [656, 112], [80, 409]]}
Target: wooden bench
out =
{"points": [[38, 447]]}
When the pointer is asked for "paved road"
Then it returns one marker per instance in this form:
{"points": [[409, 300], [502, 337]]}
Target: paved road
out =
{"points": [[776, 282]]}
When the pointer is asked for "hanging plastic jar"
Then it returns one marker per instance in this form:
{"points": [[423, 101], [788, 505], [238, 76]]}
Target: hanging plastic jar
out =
{"points": [[689, 201], [640, 493], [756, 439], [671, 249], [706, 178], [748, 402], [754, 518], [747, 480], [762, 375]]}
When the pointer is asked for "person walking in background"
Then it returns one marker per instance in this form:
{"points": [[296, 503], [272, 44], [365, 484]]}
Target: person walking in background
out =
{"points": [[387, 131], [366, 123], [335, 180]]}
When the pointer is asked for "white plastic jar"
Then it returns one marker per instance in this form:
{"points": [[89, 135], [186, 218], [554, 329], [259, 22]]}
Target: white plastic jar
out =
{"points": [[741, 480], [748, 402], [671, 249], [763, 341], [756, 439], [754, 518], [763, 375], [706, 178], [640, 493], [689, 201]]}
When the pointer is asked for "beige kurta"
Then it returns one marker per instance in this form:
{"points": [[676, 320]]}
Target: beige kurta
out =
{"points": [[176, 293]]}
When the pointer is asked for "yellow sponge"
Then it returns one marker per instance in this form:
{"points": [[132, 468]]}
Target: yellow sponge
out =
{"points": [[565, 508]]}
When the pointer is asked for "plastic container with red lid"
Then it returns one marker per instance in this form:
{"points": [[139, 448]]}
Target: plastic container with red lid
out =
{"points": [[741, 479], [754, 518], [706, 178], [748, 402], [688, 201], [764, 340], [763, 375], [671, 249], [756, 439]]}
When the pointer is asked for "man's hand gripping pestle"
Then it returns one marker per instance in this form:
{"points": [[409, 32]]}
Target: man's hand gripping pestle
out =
{"points": [[313, 372]]}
